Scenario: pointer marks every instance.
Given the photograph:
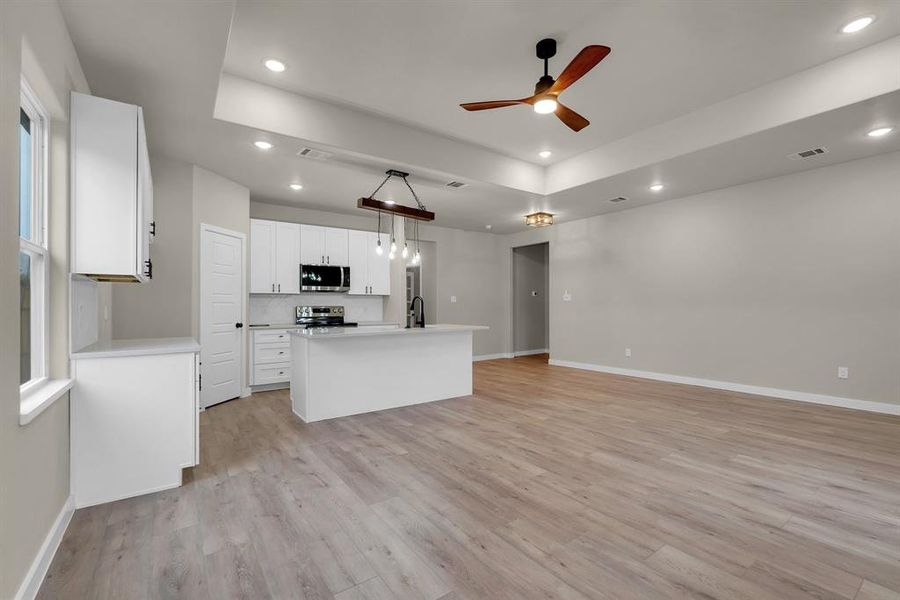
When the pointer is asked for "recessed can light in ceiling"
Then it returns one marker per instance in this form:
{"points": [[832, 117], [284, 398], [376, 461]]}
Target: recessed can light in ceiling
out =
{"points": [[274, 65], [488, 226], [545, 154], [881, 131], [296, 187], [262, 145], [858, 24], [656, 187]]}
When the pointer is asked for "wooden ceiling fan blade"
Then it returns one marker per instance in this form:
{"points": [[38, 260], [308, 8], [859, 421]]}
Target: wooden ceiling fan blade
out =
{"points": [[586, 60], [492, 104], [572, 119]]}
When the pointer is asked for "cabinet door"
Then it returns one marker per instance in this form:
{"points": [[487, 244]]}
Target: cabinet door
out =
{"points": [[312, 245], [262, 256], [287, 258], [336, 247], [379, 267], [359, 247], [144, 201]]}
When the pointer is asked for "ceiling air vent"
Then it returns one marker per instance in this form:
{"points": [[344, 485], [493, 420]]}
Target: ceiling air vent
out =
{"points": [[314, 154], [455, 184], [812, 152], [619, 199]]}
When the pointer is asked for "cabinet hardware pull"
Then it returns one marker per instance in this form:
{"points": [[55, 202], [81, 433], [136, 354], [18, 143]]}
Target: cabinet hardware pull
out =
{"points": [[323, 259], [273, 287], [282, 352], [279, 287]]}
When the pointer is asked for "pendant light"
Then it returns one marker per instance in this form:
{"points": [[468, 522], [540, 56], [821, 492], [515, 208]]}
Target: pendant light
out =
{"points": [[393, 251], [417, 213], [378, 249], [405, 253]]}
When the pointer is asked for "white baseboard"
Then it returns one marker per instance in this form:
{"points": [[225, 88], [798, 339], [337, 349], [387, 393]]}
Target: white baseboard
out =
{"points": [[492, 356], [867, 405], [38, 570], [532, 352]]}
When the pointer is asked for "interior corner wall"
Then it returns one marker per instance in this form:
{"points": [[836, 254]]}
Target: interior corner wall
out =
{"points": [[34, 459], [162, 306], [774, 283]]}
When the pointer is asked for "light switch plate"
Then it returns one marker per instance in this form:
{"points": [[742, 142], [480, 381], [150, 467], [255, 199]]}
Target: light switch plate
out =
{"points": [[567, 297], [627, 352], [843, 373], [452, 299]]}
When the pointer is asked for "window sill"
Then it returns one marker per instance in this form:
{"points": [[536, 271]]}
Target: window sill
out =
{"points": [[38, 398]]}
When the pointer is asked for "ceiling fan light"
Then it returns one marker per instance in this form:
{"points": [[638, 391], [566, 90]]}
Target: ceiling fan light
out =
{"points": [[545, 106]]}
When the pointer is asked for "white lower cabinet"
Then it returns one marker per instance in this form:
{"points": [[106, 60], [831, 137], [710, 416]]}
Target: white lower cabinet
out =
{"points": [[134, 424], [271, 356]]}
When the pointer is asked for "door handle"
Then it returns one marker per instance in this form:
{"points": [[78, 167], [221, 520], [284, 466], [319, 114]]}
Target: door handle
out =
{"points": [[238, 325]]}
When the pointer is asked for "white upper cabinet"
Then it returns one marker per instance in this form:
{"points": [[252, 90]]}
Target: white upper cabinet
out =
{"points": [[274, 257], [111, 189], [370, 273], [287, 258], [262, 256], [337, 247], [323, 246]]}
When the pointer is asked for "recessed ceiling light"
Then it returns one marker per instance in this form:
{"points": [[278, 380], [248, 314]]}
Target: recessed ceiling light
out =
{"points": [[296, 187], [274, 65], [262, 145], [545, 154], [656, 187], [488, 226], [880, 131], [858, 24]]}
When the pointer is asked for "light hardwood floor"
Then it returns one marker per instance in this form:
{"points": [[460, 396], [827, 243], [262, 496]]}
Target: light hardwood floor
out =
{"points": [[547, 483]]}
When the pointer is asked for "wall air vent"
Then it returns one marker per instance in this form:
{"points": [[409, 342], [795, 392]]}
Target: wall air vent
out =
{"points": [[619, 199], [314, 154], [455, 184], [812, 152]]}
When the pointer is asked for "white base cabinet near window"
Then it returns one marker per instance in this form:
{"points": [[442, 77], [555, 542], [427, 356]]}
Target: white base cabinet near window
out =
{"points": [[134, 423]]}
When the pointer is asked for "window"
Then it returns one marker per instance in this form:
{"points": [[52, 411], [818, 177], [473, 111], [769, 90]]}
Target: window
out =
{"points": [[33, 255]]}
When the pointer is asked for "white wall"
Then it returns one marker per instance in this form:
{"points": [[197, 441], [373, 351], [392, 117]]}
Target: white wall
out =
{"points": [[34, 459], [774, 283]]}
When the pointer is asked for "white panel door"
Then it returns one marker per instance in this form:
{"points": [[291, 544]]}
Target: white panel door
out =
{"points": [[379, 267], [358, 244], [221, 316], [287, 258], [262, 256], [312, 245], [336, 247]]}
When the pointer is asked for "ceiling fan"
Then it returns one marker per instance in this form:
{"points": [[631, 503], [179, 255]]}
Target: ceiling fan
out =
{"points": [[547, 90]]}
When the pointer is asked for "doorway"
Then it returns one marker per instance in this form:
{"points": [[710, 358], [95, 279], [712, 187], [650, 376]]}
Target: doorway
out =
{"points": [[222, 293], [531, 303]]}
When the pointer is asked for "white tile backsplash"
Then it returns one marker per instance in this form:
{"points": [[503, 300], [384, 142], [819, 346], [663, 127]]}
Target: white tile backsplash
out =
{"points": [[272, 309]]}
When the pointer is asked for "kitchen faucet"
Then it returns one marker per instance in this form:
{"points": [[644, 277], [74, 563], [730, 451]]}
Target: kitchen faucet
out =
{"points": [[420, 322]]}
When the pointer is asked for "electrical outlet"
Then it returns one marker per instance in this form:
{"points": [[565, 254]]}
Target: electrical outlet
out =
{"points": [[452, 299], [567, 297], [843, 373], [627, 352]]}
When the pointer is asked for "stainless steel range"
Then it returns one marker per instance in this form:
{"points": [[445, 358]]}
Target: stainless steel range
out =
{"points": [[321, 316]]}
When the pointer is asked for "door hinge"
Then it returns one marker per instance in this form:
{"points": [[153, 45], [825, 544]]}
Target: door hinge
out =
{"points": [[148, 268], [153, 228]]}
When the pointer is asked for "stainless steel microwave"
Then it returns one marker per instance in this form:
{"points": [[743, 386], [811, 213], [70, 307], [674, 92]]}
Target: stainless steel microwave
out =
{"points": [[324, 278]]}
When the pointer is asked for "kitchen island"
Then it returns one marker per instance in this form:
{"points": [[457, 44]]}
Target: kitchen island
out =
{"points": [[340, 371]]}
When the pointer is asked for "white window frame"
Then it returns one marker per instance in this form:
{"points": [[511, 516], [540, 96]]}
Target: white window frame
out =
{"points": [[38, 246]]}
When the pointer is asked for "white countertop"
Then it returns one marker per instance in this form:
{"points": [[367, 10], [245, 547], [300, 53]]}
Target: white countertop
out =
{"points": [[294, 325], [141, 347], [348, 332]]}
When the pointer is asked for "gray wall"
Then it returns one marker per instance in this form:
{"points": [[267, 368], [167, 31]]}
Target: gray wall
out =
{"points": [[34, 459], [162, 306], [774, 283], [531, 275]]}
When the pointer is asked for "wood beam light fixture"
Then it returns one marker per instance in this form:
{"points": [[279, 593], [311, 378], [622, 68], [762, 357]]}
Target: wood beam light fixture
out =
{"points": [[416, 214]]}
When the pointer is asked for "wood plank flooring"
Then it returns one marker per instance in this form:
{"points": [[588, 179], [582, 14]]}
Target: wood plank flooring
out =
{"points": [[547, 483]]}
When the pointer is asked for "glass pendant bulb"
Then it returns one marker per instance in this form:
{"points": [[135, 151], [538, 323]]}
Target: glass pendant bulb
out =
{"points": [[417, 258], [405, 252], [393, 246], [378, 249], [391, 255]]}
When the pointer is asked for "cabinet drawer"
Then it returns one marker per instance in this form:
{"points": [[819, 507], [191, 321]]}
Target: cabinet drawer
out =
{"points": [[271, 353], [266, 337], [274, 373]]}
